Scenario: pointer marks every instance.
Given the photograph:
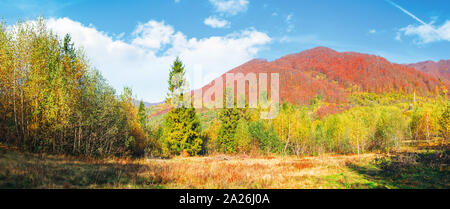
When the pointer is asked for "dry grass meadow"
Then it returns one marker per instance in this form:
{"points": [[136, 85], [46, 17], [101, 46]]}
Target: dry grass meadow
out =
{"points": [[408, 169]]}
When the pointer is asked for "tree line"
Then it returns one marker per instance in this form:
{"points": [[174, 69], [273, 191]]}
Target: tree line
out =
{"points": [[382, 124], [372, 123], [52, 100]]}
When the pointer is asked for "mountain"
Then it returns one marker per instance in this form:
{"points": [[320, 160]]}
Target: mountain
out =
{"points": [[333, 75], [148, 104], [437, 69]]}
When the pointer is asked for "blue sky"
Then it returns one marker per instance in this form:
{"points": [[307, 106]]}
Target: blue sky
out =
{"points": [[133, 42]]}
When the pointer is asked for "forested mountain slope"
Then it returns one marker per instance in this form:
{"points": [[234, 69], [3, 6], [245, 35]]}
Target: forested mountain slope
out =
{"points": [[438, 69], [333, 75]]}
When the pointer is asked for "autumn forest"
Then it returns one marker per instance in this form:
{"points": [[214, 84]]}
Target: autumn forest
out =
{"points": [[340, 114]]}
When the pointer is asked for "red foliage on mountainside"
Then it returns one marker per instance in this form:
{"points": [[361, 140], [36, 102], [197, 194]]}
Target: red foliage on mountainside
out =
{"points": [[437, 69], [333, 75]]}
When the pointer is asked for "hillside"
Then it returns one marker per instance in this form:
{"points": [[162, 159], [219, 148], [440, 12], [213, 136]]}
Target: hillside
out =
{"points": [[333, 75], [438, 69]]}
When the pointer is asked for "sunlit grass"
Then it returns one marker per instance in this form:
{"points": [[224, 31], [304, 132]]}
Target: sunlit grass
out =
{"points": [[23, 170]]}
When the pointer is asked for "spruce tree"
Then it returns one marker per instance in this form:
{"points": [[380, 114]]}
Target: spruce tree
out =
{"points": [[242, 137], [175, 82], [142, 115], [230, 118], [181, 124]]}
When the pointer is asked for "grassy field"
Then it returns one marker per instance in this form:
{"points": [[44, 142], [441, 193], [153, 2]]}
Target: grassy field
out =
{"points": [[411, 168]]}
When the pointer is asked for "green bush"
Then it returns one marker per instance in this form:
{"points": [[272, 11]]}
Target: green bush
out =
{"points": [[390, 129], [242, 137], [266, 136]]}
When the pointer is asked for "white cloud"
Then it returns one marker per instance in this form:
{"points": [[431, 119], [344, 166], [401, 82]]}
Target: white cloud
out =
{"points": [[216, 22], [153, 34], [372, 31], [144, 62], [230, 7], [290, 25], [428, 33]]}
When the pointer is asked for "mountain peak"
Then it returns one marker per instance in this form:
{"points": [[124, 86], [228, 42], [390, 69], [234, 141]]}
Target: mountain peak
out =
{"points": [[255, 61], [321, 49]]}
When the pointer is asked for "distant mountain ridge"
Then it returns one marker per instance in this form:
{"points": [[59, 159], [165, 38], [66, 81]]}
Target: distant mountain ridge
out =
{"points": [[148, 104], [438, 69], [333, 75]]}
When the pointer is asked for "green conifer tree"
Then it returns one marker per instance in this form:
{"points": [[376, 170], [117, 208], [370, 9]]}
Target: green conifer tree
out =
{"points": [[230, 119], [181, 124], [142, 115]]}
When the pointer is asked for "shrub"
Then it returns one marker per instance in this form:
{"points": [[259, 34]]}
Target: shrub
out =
{"points": [[210, 136], [389, 130], [424, 124], [302, 139], [266, 136], [242, 137]]}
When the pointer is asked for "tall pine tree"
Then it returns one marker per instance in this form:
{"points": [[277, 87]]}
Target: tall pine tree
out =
{"points": [[230, 118], [182, 126], [142, 115]]}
